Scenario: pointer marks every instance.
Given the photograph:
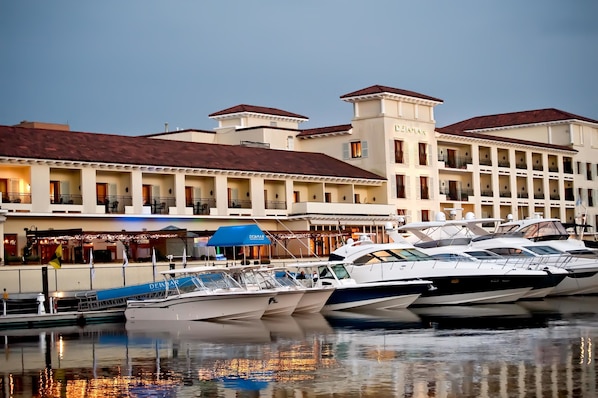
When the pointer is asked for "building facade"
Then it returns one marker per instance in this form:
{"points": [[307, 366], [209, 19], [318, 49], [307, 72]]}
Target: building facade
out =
{"points": [[309, 187]]}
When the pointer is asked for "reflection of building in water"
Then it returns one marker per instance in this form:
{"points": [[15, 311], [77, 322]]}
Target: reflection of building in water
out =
{"points": [[427, 362]]}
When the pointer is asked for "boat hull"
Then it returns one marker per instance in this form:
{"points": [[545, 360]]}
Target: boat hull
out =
{"points": [[456, 286], [579, 282], [283, 303], [375, 296], [190, 307], [313, 300]]}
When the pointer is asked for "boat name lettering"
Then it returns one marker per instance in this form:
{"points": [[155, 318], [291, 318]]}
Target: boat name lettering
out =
{"points": [[256, 237]]}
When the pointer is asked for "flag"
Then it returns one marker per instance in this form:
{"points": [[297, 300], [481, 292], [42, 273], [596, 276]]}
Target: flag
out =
{"points": [[93, 270], [154, 261], [56, 260], [184, 257], [125, 263]]}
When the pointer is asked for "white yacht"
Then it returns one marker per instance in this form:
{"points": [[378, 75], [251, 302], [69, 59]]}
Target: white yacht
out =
{"points": [[200, 293], [456, 282], [572, 273], [352, 296]]}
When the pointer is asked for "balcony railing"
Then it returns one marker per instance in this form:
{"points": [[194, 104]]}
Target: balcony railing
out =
{"points": [[555, 196], [523, 195], [487, 193], [202, 205], [505, 194], [239, 204], [521, 166], [538, 196], [504, 163], [553, 169], [485, 161], [456, 162], [538, 167], [16, 197], [115, 203], [160, 205], [275, 204], [66, 199]]}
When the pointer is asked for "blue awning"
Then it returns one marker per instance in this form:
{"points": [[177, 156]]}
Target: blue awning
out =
{"points": [[239, 235]]}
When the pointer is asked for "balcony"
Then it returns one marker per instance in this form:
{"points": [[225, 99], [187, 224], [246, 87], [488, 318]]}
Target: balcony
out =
{"points": [[16, 197], [66, 199], [538, 196], [201, 206], [487, 193], [505, 194], [239, 204], [275, 205], [160, 205]]}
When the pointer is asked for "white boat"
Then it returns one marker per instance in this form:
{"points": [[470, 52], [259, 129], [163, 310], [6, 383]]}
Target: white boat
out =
{"points": [[314, 296], [574, 270], [200, 293], [260, 278], [350, 295], [456, 282], [466, 240]]}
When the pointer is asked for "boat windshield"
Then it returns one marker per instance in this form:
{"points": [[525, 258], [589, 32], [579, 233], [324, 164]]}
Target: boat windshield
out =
{"points": [[391, 255], [333, 271], [482, 254], [511, 252], [451, 257], [543, 250]]}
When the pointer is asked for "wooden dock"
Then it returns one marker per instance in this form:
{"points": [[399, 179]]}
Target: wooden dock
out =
{"points": [[67, 318]]}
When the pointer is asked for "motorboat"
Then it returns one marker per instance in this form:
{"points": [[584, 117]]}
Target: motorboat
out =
{"points": [[456, 282], [199, 294], [570, 272], [351, 295], [548, 230], [314, 297], [260, 278], [457, 240]]}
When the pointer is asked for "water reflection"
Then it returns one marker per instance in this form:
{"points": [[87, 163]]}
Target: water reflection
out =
{"points": [[535, 348]]}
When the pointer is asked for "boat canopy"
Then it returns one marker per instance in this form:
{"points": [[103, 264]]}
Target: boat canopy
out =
{"points": [[239, 235]]}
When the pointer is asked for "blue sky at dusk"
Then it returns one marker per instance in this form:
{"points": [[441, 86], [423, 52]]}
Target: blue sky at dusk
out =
{"points": [[128, 67]]}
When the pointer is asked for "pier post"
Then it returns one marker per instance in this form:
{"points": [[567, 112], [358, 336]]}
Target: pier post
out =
{"points": [[45, 289]]}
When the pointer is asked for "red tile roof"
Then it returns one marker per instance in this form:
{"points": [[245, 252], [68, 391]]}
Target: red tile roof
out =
{"points": [[377, 89], [506, 139], [325, 130], [513, 119], [29, 143], [257, 109]]}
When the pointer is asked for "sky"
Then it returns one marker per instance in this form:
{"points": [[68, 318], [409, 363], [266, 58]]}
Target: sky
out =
{"points": [[128, 67]]}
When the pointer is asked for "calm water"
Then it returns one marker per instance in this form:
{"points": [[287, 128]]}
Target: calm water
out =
{"points": [[534, 349]]}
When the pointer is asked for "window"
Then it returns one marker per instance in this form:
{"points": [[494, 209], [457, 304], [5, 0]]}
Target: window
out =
{"points": [[355, 150], [399, 158], [590, 197], [425, 215], [589, 171], [327, 197], [578, 167], [423, 154], [400, 180], [424, 189]]}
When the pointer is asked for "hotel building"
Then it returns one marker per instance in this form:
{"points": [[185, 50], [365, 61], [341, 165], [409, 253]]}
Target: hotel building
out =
{"points": [[306, 187]]}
